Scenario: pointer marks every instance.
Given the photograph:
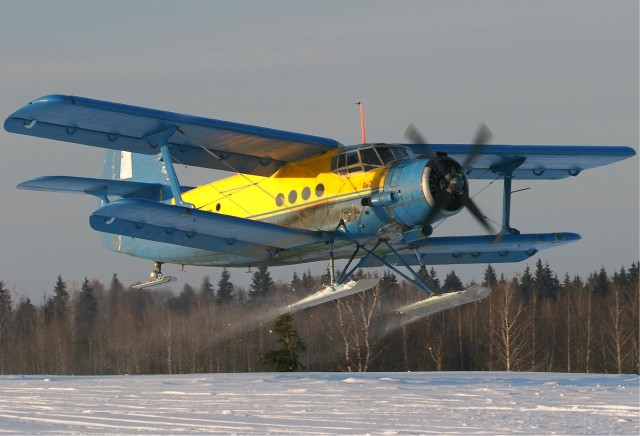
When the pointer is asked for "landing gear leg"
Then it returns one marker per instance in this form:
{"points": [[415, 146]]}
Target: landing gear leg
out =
{"points": [[156, 274], [156, 278]]}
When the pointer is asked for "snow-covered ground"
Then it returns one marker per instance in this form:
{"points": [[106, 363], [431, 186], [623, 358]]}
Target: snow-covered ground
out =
{"points": [[334, 403]]}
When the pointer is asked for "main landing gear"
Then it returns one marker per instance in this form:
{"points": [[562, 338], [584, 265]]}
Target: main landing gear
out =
{"points": [[429, 306], [155, 278]]}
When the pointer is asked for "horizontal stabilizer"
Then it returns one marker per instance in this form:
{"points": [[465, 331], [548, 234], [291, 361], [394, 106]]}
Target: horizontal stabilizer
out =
{"points": [[442, 302], [100, 187], [330, 293]]}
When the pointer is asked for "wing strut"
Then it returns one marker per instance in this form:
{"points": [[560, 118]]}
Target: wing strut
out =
{"points": [[416, 281], [507, 176], [161, 139]]}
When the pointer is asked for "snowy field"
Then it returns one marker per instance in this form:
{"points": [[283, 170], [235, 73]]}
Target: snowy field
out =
{"points": [[322, 403]]}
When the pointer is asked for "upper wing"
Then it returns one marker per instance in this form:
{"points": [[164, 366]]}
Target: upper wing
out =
{"points": [[532, 162], [197, 229], [195, 141]]}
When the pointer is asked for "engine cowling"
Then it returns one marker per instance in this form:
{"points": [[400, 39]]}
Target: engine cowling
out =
{"points": [[416, 186]]}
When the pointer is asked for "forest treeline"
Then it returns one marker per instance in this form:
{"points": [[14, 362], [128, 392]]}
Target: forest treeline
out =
{"points": [[536, 321]]}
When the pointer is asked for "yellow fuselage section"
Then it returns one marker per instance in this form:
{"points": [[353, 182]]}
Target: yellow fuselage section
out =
{"points": [[302, 194]]}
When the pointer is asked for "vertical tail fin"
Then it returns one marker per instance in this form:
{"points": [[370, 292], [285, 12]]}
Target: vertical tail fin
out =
{"points": [[125, 165], [135, 167]]}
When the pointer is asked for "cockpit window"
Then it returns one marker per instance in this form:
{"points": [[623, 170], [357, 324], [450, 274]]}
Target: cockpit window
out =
{"points": [[400, 153], [386, 155], [367, 158], [352, 158], [370, 159]]}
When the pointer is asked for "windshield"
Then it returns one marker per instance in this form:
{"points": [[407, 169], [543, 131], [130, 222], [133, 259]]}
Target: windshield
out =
{"points": [[367, 158]]}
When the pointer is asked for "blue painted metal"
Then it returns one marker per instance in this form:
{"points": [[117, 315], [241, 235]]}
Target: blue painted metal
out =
{"points": [[258, 150], [145, 168], [197, 229], [348, 270], [161, 139], [417, 280], [506, 204], [248, 149], [455, 250], [404, 180], [99, 187], [534, 162]]}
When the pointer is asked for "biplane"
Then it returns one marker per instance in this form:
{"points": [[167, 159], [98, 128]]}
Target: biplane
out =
{"points": [[295, 198]]}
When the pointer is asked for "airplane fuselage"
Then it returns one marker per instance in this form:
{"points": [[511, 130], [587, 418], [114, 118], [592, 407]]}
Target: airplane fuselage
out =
{"points": [[342, 189]]}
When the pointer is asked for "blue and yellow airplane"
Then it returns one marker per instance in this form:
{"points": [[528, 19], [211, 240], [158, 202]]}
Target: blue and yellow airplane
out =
{"points": [[294, 198]]}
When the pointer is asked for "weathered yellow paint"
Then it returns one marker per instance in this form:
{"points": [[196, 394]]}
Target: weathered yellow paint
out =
{"points": [[254, 197]]}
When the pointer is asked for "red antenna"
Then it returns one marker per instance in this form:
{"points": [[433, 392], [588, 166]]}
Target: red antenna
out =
{"points": [[364, 131]]}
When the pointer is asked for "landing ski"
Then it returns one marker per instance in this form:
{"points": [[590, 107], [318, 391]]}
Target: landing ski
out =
{"points": [[156, 282], [330, 293], [442, 302]]}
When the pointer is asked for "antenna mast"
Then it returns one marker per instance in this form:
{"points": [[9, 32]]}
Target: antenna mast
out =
{"points": [[364, 131]]}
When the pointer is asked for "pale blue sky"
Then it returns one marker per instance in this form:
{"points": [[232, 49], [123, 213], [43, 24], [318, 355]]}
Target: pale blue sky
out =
{"points": [[544, 72]]}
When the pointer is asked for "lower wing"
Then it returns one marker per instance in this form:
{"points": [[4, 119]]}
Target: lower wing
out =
{"points": [[197, 229], [452, 250]]}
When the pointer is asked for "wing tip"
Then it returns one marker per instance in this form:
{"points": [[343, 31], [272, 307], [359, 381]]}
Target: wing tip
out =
{"points": [[53, 98]]}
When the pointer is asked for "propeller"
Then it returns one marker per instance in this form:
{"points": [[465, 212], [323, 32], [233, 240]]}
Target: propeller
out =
{"points": [[413, 134], [451, 180]]}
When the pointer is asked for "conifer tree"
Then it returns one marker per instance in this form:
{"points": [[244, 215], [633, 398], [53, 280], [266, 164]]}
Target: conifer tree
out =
{"points": [[286, 358], [58, 303], [434, 278], [24, 348], [225, 288], [114, 295], [527, 284], [452, 283], [431, 277], [490, 278], [308, 284], [296, 283], [261, 283], [207, 291], [633, 276], [388, 283], [546, 282], [25, 319], [86, 310], [185, 301], [600, 283], [6, 313]]}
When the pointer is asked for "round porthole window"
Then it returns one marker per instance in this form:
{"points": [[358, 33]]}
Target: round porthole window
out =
{"points": [[319, 190], [293, 196], [217, 207], [306, 193], [279, 200]]}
